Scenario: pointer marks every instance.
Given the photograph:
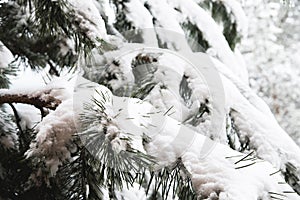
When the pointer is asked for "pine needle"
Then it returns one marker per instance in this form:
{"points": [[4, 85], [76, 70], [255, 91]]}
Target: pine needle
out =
{"points": [[275, 193], [245, 166], [168, 110], [275, 172], [272, 197], [244, 157]]}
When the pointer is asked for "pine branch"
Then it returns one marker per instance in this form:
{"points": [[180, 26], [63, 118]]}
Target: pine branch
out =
{"points": [[122, 23], [195, 37], [291, 176], [117, 166], [236, 141], [37, 31], [224, 16], [40, 99], [144, 67]]}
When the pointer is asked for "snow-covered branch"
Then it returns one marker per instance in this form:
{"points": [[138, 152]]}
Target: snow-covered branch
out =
{"points": [[41, 99], [215, 175]]}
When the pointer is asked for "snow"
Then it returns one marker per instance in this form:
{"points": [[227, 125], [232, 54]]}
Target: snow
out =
{"points": [[142, 20], [6, 56], [135, 192], [66, 46], [138, 14], [241, 61], [212, 33], [105, 8], [243, 88], [255, 119], [30, 116], [90, 20], [209, 176], [54, 133], [167, 25]]}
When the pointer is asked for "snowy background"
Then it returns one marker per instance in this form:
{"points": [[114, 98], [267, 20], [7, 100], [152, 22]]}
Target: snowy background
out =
{"points": [[272, 52]]}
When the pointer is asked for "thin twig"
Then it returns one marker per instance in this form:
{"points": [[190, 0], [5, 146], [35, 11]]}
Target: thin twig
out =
{"points": [[18, 119]]}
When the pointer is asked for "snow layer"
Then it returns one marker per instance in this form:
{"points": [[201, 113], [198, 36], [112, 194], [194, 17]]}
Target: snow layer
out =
{"points": [[142, 20], [254, 118], [167, 25], [30, 116], [53, 136], [57, 90], [212, 34]]}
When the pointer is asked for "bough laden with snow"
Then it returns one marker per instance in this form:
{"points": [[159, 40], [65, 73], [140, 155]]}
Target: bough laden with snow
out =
{"points": [[143, 123]]}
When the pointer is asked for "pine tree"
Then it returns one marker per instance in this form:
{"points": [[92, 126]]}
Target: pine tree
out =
{"points": [[125, 116]]}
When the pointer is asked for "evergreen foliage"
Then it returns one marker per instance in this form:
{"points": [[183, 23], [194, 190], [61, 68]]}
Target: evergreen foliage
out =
{"points": [[36, 31]]}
